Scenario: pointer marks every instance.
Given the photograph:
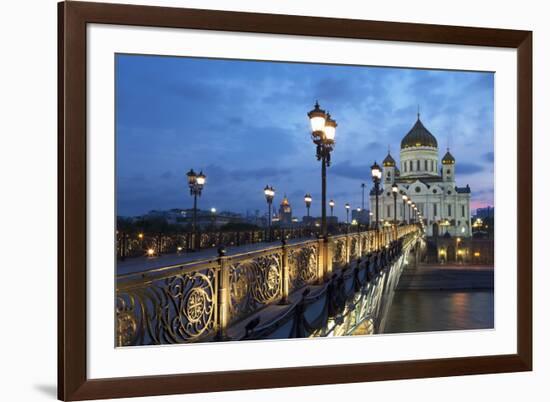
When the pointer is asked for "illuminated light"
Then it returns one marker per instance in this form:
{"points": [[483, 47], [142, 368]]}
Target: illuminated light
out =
{"points": [[358, 209], [477, 254], [376, 172], [140, 235], [460, 252], [150, 252], [330, 128], [317, 119], [354, 222], [317, 123], [179, 248]]}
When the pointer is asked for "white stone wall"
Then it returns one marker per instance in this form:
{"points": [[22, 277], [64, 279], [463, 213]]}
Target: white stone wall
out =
{"points": [[419, 161], [434, 206]]}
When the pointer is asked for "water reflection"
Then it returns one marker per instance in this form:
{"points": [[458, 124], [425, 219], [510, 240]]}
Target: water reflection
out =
{"points": [[432, 310]]}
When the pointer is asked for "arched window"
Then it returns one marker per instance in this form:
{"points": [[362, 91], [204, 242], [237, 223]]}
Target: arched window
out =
{"points": [[426, 165], [411, 166], [417, 165]]}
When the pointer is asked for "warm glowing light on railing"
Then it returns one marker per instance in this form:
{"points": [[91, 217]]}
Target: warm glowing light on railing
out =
{"points": [[477, 254], [140, 235], [150, 252]]}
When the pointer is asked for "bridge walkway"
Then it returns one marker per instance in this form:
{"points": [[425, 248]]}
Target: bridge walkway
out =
{"points": [[140, 264]]}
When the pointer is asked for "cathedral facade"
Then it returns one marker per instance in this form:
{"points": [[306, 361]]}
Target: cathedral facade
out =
{"points": [[429, 182]]}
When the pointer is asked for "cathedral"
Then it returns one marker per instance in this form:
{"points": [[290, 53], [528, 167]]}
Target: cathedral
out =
{"points": [[429, 182]]}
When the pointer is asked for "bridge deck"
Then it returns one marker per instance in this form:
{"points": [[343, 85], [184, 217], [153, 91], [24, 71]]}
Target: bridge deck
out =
{"points": [[140, 264]]}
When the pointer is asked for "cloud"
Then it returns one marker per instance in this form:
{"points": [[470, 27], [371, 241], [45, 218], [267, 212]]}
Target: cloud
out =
{"points": [[167, 175], [489, 156], [466, 168], [245, 125], [347, 170]]}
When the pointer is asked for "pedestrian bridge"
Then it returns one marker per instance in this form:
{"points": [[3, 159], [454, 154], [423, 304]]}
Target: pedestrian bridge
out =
{"points": [[342, 285]]}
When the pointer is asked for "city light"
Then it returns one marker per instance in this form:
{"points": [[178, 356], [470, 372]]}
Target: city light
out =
{"points": [[150, 252]]}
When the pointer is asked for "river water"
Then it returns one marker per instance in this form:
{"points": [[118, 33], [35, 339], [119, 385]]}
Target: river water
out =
{"points": [[440, 310]]}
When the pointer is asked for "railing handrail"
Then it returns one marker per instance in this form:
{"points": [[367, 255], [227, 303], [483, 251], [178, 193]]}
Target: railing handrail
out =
{"points": [[184, 267]]}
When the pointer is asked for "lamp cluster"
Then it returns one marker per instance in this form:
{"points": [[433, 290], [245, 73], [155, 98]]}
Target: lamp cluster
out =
{"points": [[196, 182], [323, 132], [269, 193]]}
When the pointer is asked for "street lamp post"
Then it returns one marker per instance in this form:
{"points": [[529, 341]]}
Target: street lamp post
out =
{"points": [[394, 190], [376, 176], [347, 212], [331, 204], [213, 212], [307, 200], [269, 193], [409, 202], [323, 131], [196, 184]]}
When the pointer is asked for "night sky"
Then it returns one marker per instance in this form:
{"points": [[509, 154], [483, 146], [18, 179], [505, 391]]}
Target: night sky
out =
{"points": [[245, 124]]}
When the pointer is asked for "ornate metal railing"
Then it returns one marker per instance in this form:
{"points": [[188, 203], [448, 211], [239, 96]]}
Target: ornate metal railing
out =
{"points": [[200, 301], [136, 244]]}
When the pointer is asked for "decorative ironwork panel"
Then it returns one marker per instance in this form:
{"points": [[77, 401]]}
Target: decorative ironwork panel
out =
{"points": [[175, 309], [303, 265], [353, 248], [364, 244], [254, 282], [339, 252]]}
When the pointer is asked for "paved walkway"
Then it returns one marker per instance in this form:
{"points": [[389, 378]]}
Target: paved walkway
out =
{"points": [[141, 264]]}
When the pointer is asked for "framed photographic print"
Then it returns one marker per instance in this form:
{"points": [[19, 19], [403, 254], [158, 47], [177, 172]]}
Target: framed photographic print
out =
{"points": [[252, 200]]}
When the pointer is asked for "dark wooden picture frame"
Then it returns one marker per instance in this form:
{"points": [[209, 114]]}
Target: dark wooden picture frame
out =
{"points": [[73, 383]]}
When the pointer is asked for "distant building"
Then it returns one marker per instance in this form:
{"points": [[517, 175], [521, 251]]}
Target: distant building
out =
{"points": [[483, 213], [445, 207], [285, 212], [205, 218], [360, 215]]}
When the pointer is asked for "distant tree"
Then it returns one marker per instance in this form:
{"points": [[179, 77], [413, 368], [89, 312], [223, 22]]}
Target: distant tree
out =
{"points": [[238, 226]]}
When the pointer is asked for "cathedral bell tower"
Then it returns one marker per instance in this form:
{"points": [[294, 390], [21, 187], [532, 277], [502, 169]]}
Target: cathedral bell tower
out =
{"points": [[388, 169], [448, 167]]}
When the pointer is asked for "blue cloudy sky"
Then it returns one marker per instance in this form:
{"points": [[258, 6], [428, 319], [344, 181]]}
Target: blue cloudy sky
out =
{"points": [[244, 124]]}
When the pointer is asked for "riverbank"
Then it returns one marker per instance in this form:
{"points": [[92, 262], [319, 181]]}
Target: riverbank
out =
{"points": [[442, 298]]}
